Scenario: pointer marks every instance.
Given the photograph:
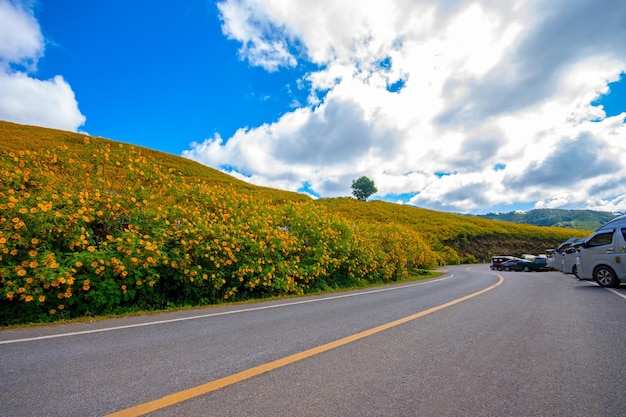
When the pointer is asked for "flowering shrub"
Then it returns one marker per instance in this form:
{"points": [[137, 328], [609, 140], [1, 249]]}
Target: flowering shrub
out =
{"points": [[90, 227], [104, 228]]}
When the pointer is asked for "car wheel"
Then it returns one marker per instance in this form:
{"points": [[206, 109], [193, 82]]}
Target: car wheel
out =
{"points": [[526, 269], [605, 277], [506, 268], [575, 271]]}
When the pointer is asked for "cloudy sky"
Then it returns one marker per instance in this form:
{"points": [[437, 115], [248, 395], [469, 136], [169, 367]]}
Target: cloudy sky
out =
{"points": [[454, 105]]}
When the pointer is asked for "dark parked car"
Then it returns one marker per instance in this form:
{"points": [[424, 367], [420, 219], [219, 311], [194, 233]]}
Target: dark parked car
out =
{"points": [[538, 264], [497, 261]]}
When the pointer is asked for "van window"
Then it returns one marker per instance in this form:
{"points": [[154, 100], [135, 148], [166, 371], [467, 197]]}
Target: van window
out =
{"points": [[624, 233], [601, 239]]}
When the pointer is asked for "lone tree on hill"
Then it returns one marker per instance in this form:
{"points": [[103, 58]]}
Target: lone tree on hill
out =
{"points": [[362, 188]]}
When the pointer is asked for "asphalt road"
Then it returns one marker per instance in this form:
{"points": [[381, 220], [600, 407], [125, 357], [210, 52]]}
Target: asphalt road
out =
{"points": [[472, 343]]}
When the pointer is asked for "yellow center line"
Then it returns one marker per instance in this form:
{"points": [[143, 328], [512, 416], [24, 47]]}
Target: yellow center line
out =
{"points": [[199, 390]]}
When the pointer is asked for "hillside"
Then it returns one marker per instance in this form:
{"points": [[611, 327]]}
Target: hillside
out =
{"points": [[571, 219], [457, 238], [15, 137], [90, 226]]}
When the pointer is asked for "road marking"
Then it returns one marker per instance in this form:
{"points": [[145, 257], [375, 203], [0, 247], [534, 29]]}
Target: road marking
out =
{"points": [[199, 390], [222, 313], [616, 293]]}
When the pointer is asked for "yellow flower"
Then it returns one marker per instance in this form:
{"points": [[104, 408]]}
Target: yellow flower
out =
{"points": [[91, 248], [28, 298], [10, 295], [21, 272], [61, 307], [42, 298], [53, 311], [78, 264], [32, 253], [34, 241]]}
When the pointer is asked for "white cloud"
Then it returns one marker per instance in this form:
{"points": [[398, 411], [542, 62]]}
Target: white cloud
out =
{"points": [[49, 103], [21, 41], [263, 42], [25, 99], [495, 95]]}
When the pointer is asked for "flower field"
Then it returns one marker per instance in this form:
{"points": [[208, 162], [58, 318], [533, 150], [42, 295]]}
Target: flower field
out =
{"points": [[452, 237], [91, 227]]}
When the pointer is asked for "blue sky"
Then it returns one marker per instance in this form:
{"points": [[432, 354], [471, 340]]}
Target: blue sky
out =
{"points": [[456, 106], [158, 74]]}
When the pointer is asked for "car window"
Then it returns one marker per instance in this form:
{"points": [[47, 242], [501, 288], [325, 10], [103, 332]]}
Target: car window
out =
{"points": [[601, 239], [624, 233]]}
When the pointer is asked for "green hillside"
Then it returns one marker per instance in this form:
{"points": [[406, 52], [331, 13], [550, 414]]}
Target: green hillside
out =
{"points": [[572, 219], [457, 238], [90, 226]]}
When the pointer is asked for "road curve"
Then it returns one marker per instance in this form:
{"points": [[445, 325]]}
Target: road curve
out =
{"points": [[531, 346]]}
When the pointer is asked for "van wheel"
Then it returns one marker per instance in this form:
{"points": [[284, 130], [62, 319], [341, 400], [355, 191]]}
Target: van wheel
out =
{"points": [[605, 277]]}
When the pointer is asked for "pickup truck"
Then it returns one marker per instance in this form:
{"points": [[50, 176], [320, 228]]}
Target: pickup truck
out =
{"points": [[538, 264]]}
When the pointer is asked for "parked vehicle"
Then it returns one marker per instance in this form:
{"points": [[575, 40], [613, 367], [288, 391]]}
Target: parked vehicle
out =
{"points": [[570, 258], [497, 261], [602, 256], [559, 259], [537, 264], [514, 265], [551, 260]]}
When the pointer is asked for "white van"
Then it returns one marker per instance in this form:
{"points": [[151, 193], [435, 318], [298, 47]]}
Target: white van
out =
{"points": [[570, 258], [602, 256], [558, 262]]}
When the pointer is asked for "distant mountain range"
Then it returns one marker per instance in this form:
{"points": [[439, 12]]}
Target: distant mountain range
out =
{"points": [[572, 219]]}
